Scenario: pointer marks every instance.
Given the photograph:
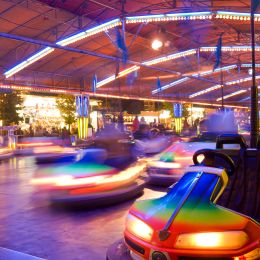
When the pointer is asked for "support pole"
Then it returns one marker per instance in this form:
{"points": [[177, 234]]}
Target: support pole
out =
{"points": [[254, 90], [222, 88]]}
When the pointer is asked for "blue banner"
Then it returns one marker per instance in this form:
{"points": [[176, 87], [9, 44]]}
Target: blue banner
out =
{"points": [[177, 110], [82, 106]]}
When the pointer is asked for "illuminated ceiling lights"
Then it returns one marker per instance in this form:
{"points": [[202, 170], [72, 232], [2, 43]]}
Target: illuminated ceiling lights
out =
{"points": [[156, 44], [76, 92], [134, 19], [169, 17], [235, 16], [182, 54], [234, 82], [229, 48], [173, 56], [239, 92], [179, 81], [120, 74], [249, 65], [37, 56], [68, 40], [146, 63]]}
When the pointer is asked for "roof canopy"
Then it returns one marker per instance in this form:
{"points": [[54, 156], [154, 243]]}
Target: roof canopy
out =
{"points": [[62, 44]]}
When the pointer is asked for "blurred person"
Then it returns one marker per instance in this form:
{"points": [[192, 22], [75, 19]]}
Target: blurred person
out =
{"points": [[31, 133], [185, 125], [114, 120], [135, 124], [142, 121], [154, 124]]}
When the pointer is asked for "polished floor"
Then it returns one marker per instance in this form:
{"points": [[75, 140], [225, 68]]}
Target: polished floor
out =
{"points": [[28, 224]]}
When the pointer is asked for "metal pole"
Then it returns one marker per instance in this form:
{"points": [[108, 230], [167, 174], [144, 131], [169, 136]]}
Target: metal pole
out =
{"points": [[222, 87], [254, 90]]}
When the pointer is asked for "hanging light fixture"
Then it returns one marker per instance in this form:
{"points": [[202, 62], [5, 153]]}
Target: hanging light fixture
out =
{"points": [[159, 38], [157, 44]]}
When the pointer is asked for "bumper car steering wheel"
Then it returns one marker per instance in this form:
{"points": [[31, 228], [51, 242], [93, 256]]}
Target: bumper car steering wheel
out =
{"points": [[215, 159]]}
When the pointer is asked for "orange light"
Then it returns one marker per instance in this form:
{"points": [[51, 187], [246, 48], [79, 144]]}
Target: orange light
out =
{"points": [[36, 144]]}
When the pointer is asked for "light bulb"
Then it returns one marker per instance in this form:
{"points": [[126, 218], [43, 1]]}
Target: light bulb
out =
{"points": [[156, 44]]}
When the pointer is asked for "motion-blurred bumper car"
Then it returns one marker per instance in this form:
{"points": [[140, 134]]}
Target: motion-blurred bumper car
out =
{"points": [[90, 181], [168, 167], [54, 154], [5, 153]]}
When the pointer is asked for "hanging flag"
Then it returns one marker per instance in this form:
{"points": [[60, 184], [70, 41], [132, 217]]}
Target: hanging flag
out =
{"points": [[255, 4], [159, 85], [121, 45], [218, 52], [94, 83]]}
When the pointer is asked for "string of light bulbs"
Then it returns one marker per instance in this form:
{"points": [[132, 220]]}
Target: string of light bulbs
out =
{"points": [[237, 16]]}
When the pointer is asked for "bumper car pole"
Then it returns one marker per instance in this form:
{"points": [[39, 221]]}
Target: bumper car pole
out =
{"points": [[164, 233]]}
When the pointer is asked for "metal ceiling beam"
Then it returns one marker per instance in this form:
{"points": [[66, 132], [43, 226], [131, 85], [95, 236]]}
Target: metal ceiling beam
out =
{"points": [[95, 54]]}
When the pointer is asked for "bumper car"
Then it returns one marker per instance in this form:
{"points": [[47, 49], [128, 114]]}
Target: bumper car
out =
{"points": [[151, 146], [187, 223], [5, 153], [54, 154], [168, 167], [90, 181]]}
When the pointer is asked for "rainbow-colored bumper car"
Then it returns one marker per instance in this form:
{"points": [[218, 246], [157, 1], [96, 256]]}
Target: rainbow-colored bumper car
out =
{"points": [[187, 224], [90, 181]]}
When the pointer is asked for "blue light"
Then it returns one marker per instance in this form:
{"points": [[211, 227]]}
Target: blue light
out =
{"points": [[145, 17], [235, 13], [63, 42], [190, 14]]}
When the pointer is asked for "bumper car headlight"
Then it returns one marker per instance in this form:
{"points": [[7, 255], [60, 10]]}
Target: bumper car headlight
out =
{"points": [[138, 228], [213, 240]]}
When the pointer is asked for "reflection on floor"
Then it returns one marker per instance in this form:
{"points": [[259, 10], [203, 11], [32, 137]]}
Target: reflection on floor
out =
{"points": [[28, 224]]}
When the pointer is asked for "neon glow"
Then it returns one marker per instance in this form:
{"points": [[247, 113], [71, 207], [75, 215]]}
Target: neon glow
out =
{"points": [[139, 228], [183, 54], [179, 81], [239, 92], [147, 63], [170, 57], [86, 177], [68, 40], [35, 144], [169, 17], [37, 56], [212, 240], [89, 32], [229, 48], [134, 19], [120, 74], [77, 92], [235, 16], [234, 82], [249, 65]]}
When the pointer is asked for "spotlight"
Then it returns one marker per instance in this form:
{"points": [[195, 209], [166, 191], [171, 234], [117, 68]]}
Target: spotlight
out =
{"points": [[157, 44]]}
